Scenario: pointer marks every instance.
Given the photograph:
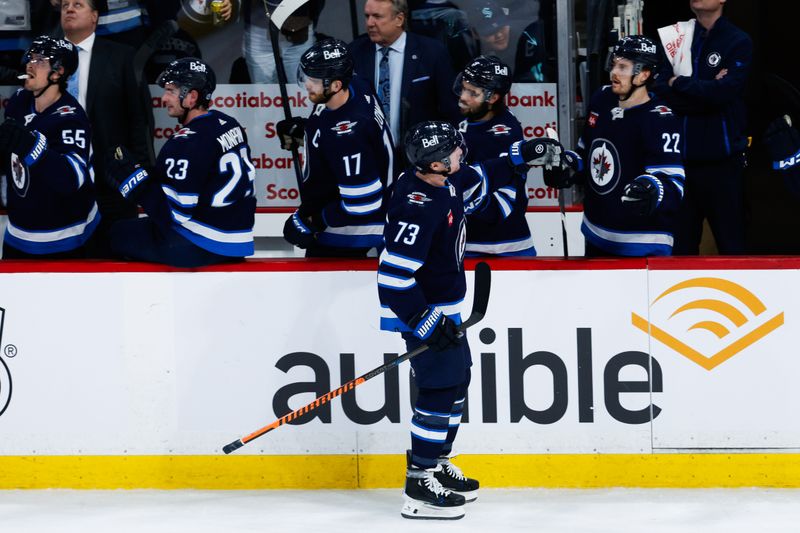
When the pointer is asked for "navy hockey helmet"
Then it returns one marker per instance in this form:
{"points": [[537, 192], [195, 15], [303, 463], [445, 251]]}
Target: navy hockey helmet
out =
{"points": [[190, 73], [429, 142], [486, 72], [60, 53], [326, 60], [640, 50]]}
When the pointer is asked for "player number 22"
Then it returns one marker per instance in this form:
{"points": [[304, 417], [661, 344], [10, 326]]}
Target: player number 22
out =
{"points": [[674, 139], [411, 235]]}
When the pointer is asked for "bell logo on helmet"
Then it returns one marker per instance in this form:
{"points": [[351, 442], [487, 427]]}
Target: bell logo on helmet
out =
{"points": [[332, 54], [433, 141], [501, 70], [197, 66]]}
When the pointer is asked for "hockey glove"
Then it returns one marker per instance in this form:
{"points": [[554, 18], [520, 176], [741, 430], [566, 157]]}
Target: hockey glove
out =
{"points": [[291, 132], [302, 231], [15, 138], [563, 177], [783, 143], [436, 330], [537, 152], [643, 195], [124, 173]]}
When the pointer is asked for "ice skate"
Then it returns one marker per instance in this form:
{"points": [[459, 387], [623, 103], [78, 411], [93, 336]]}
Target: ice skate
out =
{"points": [[451, 478], [425, 498]]}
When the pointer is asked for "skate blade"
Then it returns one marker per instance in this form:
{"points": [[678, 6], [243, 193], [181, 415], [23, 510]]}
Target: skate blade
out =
{"points": [[469, 495], [417, 510]]}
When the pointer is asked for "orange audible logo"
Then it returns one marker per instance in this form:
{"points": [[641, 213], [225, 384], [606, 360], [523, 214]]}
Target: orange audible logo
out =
{"points": [[745, 313]]}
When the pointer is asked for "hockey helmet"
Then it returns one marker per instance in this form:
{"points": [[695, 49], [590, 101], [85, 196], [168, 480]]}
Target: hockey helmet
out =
{"points": [[326, 60], [190, 73], [638, 49], [60, 53], [429, 142], [486, 72]]}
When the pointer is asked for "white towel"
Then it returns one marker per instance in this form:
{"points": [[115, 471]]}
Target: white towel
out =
{"points": [[677, 42]]}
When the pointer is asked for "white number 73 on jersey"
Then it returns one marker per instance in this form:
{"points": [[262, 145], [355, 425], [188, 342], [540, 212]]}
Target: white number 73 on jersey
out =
{"points": [[411, 234]]}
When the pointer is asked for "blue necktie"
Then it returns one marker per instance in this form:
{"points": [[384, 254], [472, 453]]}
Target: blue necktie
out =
{"points": [[72, 82], [384, 87]]}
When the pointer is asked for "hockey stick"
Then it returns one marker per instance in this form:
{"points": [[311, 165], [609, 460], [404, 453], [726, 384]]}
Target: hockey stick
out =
{"points": [[480, 301], [552, 134], [274, 23]]}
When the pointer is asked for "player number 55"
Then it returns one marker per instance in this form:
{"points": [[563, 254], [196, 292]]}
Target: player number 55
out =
{"points": [[76, 137]]}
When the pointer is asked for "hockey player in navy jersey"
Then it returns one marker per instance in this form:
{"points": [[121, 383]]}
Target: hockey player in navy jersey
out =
{"points": [[347, 168], [46, 149], [199, 198], [629, 161], [489, 129], [421, 285]]}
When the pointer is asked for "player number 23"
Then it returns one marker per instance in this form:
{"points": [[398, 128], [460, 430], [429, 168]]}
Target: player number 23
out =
{"points": [[411, 234]]}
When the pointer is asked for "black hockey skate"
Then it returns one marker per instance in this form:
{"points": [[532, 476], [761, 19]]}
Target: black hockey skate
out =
{"points": [[451, 478], [425, 497]]}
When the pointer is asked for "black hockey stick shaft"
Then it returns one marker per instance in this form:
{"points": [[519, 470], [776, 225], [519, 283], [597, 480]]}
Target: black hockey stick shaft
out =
{"points": [[282, 81], [551, 133], [480, 301], [354, 18]]}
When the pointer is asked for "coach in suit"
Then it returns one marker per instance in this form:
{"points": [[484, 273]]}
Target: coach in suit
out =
{"points": [[411, 74], [118, 105]]}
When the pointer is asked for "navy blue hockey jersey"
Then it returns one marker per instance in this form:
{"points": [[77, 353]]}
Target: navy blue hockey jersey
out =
{"points": [[347, 169], [511, 235], [617, 146], [422, 263], [205, 173], [51, 201]]}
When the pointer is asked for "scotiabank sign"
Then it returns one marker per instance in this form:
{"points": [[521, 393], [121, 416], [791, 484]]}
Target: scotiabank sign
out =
{"points": [[187, 362], [259, 107]]}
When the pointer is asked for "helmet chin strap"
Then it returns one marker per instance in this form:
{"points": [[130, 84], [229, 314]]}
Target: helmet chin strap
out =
{"points": [[326, 92], [50, 83]]}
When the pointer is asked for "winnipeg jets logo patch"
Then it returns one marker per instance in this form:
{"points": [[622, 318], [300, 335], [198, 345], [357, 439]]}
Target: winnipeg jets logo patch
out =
{"points": [[64, 110], [604, 166], [344, 127], [19, 176], [500, 129], [418, 198], [661, 110], [183, 132]]}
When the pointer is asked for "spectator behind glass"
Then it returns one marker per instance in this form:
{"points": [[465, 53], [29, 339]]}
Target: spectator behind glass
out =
{"points": [[45, 152], [297, 35], [710, 101], [116, 105], [444, 21], [411, 74]]}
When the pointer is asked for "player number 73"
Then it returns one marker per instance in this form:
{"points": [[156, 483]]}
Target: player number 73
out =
{"points": [[411, 236]]}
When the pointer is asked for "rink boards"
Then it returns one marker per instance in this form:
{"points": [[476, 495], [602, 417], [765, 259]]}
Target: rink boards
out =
{"points": [[586, 373]]}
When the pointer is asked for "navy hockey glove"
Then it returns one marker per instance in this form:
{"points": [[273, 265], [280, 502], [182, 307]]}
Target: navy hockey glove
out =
{"points": [[563, 177], [436, 330], [124, 173], [29, 145], [291, 132], [302, 231], [643, 195], [536, 152], [783, 143]]}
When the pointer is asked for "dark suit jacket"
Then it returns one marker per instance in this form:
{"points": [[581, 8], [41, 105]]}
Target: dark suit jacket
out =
{"points": [[118, 111], [427, 88]]}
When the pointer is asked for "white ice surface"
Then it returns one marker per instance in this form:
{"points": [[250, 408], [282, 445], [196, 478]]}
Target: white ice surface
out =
{"points": [[378, 511]]}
